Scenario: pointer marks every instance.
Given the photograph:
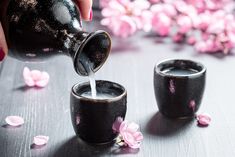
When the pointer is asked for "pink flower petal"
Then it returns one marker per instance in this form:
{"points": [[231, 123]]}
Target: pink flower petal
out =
{"points": [[130, 134], [181, 6], [135, 146], [35, 78], [216, 27], [178, 38], [169, 10], [40, 140], [161, 24], [144, 21], [43, 81], [35, 74], [128, 138], [203, 119], [124, 26], [157, 8], [201, 46], [191, 40], [184, 23], [123, 126], [133, 127], [26, 72], [138, 136], [104, 3], [205, 20], [29, 82], [14, 120]]}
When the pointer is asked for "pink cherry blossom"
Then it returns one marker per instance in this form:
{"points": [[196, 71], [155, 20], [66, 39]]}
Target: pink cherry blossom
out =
{"points": [[184, 23], [144, 21], [165, 8], [35, 77], [161, 24], [104, 3], [203, 119], [178, 38], [122, 26], [209, 25], [201, 46], [130, 134], [205, 20], [169, 9], [125, 17], [208, 46], [205, 36], [181, 6], [191, 40], [14, 121], [40, 140], [216, 27]]}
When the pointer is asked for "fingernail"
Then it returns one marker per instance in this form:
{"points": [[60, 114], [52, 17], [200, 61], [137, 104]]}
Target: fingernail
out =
{"points": [[91, 15], [2, 54]]}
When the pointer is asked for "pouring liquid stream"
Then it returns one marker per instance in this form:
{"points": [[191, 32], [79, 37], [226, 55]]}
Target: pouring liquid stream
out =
{"points": [[92, 83]]}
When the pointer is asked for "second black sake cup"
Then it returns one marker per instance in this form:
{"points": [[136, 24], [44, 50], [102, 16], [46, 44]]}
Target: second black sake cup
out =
{"points": [[93, 119], [179, 86]]}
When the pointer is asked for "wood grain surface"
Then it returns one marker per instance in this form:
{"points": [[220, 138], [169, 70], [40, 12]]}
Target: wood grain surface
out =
{"points": [[46, 111]]}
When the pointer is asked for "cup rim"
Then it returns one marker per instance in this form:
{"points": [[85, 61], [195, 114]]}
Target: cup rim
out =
{"points": [[199, 64], [87, 83]]}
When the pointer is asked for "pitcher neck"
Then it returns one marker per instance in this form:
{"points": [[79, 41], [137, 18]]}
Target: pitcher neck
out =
{"points": [[72, 42]]}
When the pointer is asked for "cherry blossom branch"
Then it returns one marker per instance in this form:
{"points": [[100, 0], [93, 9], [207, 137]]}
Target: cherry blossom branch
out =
{"points": [[209, 25]]}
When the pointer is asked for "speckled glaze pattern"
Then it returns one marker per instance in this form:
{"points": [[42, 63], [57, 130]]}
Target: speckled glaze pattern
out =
{"points": [[179, 96], [93, 119]]}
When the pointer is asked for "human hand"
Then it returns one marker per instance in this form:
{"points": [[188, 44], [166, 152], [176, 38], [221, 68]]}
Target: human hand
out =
{"points": [[85, 9], [3, 44]]}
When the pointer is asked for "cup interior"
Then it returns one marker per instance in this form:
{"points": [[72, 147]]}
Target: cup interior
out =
{"points": [[114, 90], [179, 68]]}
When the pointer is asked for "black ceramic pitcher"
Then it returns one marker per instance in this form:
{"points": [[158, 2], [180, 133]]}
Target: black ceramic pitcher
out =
{"points": [[38, 29]]}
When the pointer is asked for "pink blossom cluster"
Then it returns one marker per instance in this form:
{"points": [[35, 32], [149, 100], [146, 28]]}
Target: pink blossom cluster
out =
{"points": [[129, 133], [35, 77], [209, 25], [125, 17]]}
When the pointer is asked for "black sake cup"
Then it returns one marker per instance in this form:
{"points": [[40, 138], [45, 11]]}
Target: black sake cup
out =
{"points": [[93, 119], [179, 95]]}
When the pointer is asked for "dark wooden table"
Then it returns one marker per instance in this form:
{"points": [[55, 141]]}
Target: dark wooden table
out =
{"points": [[46, 111]]}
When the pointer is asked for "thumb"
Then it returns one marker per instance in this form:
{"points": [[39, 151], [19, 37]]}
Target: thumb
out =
{"points": [[3, 44]]}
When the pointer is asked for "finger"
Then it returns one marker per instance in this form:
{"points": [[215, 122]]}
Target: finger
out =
{"points": [[85, 9], [3, 44]]}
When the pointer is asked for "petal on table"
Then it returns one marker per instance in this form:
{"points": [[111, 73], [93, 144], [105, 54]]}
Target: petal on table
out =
{"points": [[43, 81], [40, 140], [14, 120], [26, 72], [36, 75], [204, 119], [29, 82]]}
